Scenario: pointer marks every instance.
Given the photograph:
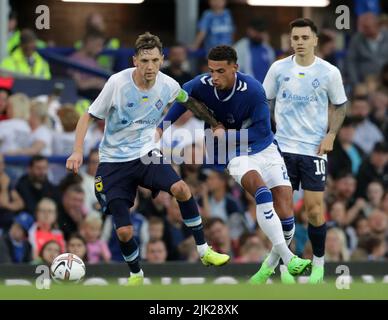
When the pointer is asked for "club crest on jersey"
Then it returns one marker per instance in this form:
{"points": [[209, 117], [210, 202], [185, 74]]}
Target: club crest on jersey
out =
{"points": [[159, 104], [98, 183], [315, 83]]}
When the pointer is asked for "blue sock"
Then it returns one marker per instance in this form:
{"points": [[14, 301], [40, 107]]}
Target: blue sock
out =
{"points": [[263, 195], [288, 228], [192, 219], [317, 236], [131, 254]]}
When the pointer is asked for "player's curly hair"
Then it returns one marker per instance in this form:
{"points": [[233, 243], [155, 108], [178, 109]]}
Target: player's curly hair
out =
{"points": [[148, 41], [222, 53]]}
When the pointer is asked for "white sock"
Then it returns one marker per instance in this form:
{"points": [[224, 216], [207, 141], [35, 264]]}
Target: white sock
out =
{"points": [[140, 273], [318, 261], [283, 268], [274, 258], [284, 252], [269, 222], [202, 249]]}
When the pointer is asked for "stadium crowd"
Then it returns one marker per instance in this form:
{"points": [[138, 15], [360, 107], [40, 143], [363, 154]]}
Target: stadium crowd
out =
{"points": [[44, 211]]}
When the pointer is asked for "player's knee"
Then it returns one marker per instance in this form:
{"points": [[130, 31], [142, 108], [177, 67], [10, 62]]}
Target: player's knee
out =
{"points": [[125, 233], [315, 213], [181, 191]]}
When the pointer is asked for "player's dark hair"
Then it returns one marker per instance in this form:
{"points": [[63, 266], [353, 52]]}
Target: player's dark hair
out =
{"points": [[148, 41], [222, 53], [304, 22]]}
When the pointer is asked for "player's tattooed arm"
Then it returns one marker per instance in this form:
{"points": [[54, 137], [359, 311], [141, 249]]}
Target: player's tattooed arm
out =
{"points": [[198, 108], [336, 117]]}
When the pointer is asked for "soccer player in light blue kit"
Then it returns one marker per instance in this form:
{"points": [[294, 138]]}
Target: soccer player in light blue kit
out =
{"points": [[302, 86], [132, 104], [238, 102]]}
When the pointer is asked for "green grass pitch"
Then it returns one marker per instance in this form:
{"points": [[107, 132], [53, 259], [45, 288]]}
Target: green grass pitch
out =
{"points": [[199, 292]]}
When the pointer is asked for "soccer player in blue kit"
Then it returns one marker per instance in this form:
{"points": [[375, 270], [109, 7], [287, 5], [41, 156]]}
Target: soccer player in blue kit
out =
{"points": [[239, 103], [132, 103], [302, 85]]}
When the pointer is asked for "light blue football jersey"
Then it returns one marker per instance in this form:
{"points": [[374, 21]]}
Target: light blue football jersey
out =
{"points": [[302, 98], [131, 115]]}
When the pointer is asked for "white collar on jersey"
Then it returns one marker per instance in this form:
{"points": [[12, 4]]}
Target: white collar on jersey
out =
{"points": [[231, 94]]}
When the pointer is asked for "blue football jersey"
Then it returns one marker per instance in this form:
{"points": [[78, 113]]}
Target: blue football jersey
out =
{"points": [[243, 107]]}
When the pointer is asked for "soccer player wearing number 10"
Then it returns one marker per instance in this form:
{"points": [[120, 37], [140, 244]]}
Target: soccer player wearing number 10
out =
{"points": [[302, 86]]}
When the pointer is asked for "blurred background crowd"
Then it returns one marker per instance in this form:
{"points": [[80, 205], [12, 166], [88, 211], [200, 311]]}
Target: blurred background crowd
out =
{"points": [[44, 211]]}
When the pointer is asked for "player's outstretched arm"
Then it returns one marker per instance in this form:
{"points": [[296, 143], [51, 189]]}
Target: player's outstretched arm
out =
{"points": [[74, 162], [336, 117]]}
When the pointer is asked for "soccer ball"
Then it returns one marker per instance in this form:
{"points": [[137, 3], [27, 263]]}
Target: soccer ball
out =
{"points": [[67, 267]]}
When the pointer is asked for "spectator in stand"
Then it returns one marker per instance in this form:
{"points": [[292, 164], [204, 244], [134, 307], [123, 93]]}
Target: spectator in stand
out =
{"points": [[252, 249], [25, 59], [14, 246], [72, 210], [40, 139], [44, 229], [374, 197], [176, 230], [374, 168], [6, 85], [362, 227], [368, 49], [76, 244], [384, 203], [346, 156], [15, 132], [221, 204], [49, 251], [97, 249], [217, 232], [379, 115], [63, 141], [367, 134], [335, 246], [339, 219], [327, 46], [95, 23], [378, 223], [215, 26], [34, 185], [375, 247], [178, 64], [156, 251], [89, 86], [255, 55], [188, 250], [10, 200]]}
